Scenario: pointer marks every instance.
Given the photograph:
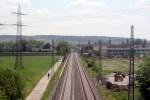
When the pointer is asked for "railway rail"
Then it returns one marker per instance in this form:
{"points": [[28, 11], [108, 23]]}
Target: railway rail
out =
{"points": [[74, 83]]}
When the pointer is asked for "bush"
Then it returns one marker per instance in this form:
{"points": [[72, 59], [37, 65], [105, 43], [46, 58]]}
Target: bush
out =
{"points": [[92, 64], [144, 79], [2, 94], [11, 84]]}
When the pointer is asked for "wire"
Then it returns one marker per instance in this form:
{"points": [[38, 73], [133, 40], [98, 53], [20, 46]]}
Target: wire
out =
{"points": [[47, 20]]}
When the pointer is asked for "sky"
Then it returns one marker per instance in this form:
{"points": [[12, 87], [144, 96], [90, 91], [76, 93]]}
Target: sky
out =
{"points": [[78, 17]]}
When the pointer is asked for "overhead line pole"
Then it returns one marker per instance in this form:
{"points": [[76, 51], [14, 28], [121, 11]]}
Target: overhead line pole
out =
{"points": [[18, 51], [131, 67], [100, 60], [2, 24], [52, 64]]}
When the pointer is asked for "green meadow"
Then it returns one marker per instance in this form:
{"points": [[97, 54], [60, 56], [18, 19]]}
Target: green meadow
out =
{"points": [[34, 68]]}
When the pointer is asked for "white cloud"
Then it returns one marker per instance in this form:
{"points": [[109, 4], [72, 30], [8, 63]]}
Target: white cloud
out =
{"points": [[87, 6], [97, 21], [43, 11], [142, 3], [12, 4], [9, 6], [131, 17], [88, 3], [34, 16]]}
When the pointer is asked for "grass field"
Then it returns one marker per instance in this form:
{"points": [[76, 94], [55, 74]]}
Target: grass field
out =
{"points": [[117, 64], [34, 68]]}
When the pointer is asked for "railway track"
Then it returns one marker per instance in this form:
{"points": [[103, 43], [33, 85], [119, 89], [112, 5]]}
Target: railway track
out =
{"points": [[74, 83]]}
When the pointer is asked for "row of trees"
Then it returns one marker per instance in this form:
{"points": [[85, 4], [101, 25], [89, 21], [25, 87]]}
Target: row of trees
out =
{"points": [[27, 45]]}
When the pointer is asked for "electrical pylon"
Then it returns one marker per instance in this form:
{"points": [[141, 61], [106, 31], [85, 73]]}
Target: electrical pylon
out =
{"points": [[131, 67], [100, 60], [52, 63], [18, 51]]}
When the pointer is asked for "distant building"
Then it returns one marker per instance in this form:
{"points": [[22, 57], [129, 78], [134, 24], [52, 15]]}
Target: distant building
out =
{"points": [[46, 50], [121, 50], [34, 49], [126, 51], [41, 49]]}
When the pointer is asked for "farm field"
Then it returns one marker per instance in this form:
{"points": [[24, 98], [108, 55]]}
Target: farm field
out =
{"points": [[34, 68]]}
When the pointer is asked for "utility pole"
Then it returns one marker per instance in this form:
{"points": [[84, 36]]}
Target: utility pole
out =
{"points": [[131, 67], [1, 25], [52, 64], [100, 60], [79, 46], [18, 51]]}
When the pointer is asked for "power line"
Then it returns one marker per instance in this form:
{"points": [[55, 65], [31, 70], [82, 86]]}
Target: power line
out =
{"points": [[18, 51], [85, 17], [52, 63]]}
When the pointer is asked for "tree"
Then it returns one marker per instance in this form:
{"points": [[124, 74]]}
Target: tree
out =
{"points": [[47, 46], [144, 79], [11, 84], [1, 47], [24, 45], [63, 48]]}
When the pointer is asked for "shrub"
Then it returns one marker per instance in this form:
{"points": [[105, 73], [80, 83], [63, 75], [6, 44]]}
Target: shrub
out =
{"points": [[11, 84], [144, 79], [92, 64]]}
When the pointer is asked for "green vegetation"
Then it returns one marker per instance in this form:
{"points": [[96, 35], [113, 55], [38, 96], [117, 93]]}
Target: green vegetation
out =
{"points": [[52, 84], [123, 95], [73, 39], [63, 48], [34, 68], [12, 85], [110, 66], [91, 64], [27, 45], [117, 64], [144, 79], [104, 93]]}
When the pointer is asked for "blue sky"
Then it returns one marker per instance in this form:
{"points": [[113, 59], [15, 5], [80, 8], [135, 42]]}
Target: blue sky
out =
{"points": [[79, 17]]}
